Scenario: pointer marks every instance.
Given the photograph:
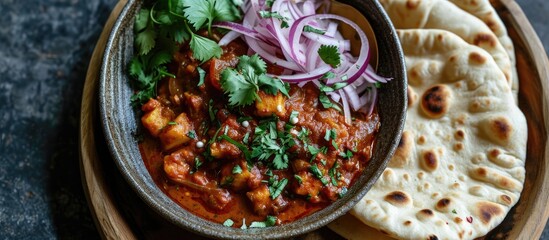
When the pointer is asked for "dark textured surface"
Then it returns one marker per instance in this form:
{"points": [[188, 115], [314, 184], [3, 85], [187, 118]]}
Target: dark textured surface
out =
{"points": [[45, 46]]}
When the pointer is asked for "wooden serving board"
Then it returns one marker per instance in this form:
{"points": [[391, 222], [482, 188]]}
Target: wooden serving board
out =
{"points": [[120, 214]]}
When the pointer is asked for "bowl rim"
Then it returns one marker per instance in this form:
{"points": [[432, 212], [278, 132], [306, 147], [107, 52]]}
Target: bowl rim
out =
{"points": [[148, 191]]}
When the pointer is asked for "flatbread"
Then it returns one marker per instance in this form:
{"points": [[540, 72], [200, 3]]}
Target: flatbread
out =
{"points": [[459, 166], [483, 10], [444, 15]]}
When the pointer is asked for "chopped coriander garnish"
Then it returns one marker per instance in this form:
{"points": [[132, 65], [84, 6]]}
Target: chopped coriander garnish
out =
{"points": [[330, 55], [246, 138], [339, 85], [323, 162], [326, 102], [240, 146], [267, 14], [327, 135], [197, 164], [333, 173], [454, 211], [211, 110], [342, 192], [201, 76], [317, 173], [309, 28], [237, 169], [328, 75], [270, 145], [314, 151], [269, 221], [276, 188], [284, 24], [228, 181], [243, 83], [346, 155], [334, 144], [228, 223], [191, 134], [172, 123], [298, 178]]}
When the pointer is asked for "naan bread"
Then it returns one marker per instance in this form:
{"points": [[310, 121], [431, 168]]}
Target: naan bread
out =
{"points": [[444, 15], [459, 166], [483, 10]]}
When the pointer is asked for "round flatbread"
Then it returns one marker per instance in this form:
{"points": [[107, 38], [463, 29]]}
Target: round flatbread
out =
{"points": [[459, 166], [483, 10], [444, 15]]}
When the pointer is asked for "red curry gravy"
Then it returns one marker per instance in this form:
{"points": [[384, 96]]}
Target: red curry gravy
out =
{"points": [[209, 175]]}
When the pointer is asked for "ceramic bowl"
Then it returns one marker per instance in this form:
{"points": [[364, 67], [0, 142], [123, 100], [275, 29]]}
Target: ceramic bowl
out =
{"points": [[121, 123]]}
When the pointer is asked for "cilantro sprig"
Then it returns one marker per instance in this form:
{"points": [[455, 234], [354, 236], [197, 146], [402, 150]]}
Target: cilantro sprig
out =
{"points": [[160, 26], [330, 55], [243, 82]]}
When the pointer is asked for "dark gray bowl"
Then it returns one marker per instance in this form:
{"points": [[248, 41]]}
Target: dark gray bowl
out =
{"points": [[120, 123]]}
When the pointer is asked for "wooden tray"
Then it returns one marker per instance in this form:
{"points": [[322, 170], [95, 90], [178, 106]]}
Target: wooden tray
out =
{"points": [[120, 214]]}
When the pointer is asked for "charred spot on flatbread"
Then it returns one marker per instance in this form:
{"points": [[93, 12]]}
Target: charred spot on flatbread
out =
{"points": [[435, 102]]}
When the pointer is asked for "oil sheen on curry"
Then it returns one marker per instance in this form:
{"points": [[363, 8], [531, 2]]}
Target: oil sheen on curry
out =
{"points": [[262, 125]]}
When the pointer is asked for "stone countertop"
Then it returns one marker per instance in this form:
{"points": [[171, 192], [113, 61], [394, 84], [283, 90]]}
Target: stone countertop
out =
{"points": [[45, 47]]}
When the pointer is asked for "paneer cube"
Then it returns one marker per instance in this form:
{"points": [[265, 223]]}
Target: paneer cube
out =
{"points": [[176, 134], [156, 116], [236, 180], [268, 104], [261, 200]]}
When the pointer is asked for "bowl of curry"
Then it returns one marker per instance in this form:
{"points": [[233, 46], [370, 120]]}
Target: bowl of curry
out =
{"points": [[229, 143]]}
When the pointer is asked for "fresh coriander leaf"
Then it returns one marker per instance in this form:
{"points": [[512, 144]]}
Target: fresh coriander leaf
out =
{"points": [[197, 164], [237, 169], [141, 20], [277, 188], [298, 178], [226, 10], [315, 171], [330, 55], [327, 103], [454, 211], [255, 62], [333, 173], [228, 223], [172, 123], [269, 222], [327, 135], [342, 192], [324, 88], [328, 75], [204, 48], [314, 151], [240, 146], [198, 12], [191, 134], [339, 85], [145, 40], [267, 14], [227, 181], [273, 85], [323, 162], [280, 161], [284, 24], [309, 28], [160, 58], [348, 154], [201, 76], [334, 144], [240, 91], [377, 84], [269, 3], [246, 138]]}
